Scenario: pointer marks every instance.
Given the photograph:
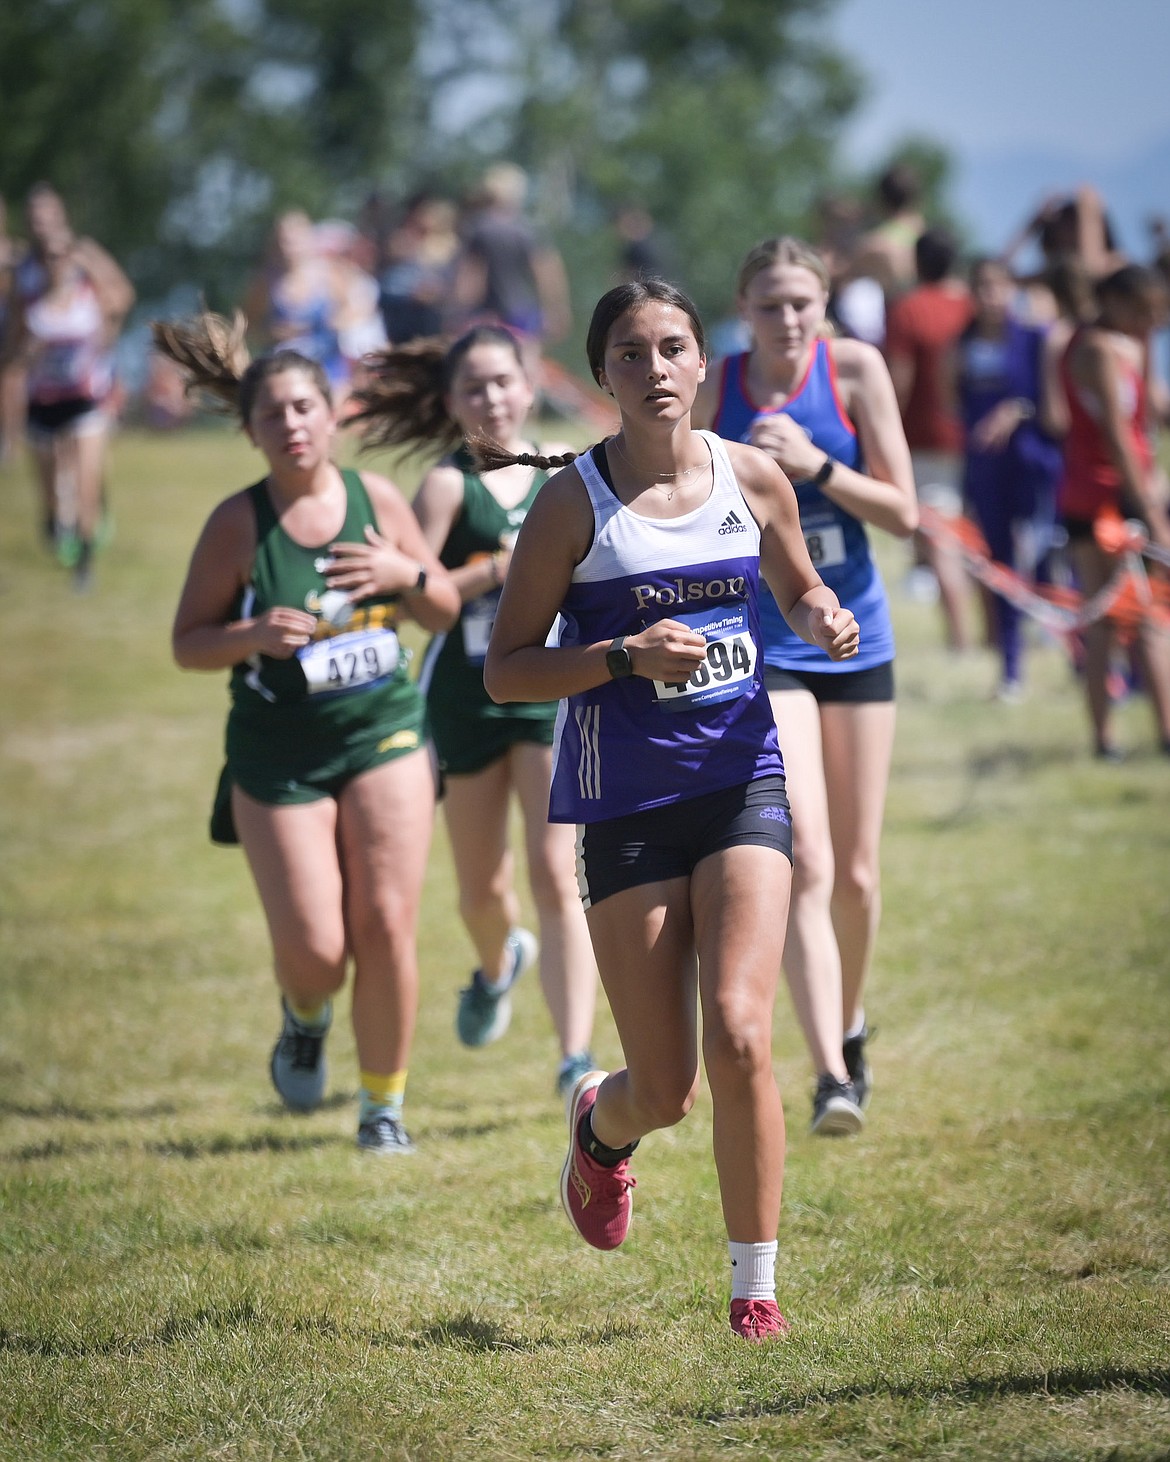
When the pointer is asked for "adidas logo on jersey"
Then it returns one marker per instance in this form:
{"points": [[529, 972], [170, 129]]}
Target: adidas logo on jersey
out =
{"points": [[732, 524]]}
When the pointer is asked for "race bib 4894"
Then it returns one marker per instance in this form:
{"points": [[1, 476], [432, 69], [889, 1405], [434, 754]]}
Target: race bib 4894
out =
{"points": [[729, 666]]}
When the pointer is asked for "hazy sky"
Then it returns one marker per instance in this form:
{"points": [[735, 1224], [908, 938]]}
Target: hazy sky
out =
{"points": [[1028, 96], [1090, 76]]}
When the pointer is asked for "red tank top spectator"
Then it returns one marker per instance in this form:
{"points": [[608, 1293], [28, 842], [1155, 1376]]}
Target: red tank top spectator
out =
{"points": [[920, 330], [1092, 479], [1110, 462]]}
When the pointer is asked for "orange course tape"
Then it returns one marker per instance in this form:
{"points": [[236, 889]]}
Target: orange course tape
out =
{"points": [[1129, 599]]}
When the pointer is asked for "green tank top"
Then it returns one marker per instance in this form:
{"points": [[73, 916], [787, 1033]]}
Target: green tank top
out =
{"points": [[452, 676], [353, 670]]}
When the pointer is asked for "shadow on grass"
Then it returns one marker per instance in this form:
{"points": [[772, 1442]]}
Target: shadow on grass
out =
{"points": [[192, 1149], [58, 1111], [243, 1314], [62, 1112], [189, 1148], [463, 1131], [332, 1103], [1005, 761], [1067, 1381], [466, 1332], [471, 1333], [1007, 758], [54, 1147]]}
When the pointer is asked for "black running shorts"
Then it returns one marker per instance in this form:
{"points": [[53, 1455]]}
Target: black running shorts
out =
{"points": [[846, 687], [668, 842]]}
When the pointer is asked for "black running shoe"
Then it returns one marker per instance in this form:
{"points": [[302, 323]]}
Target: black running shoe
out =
{"points": [[836, 1110], [858, 1067]]}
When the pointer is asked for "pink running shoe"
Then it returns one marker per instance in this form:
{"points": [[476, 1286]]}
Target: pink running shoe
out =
{"points": [[597, 1199], [757, 1319]]}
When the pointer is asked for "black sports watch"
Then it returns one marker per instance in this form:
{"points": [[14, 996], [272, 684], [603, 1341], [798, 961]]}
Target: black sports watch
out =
{"points": [[617, 659], [420, 583], [824, 472]]}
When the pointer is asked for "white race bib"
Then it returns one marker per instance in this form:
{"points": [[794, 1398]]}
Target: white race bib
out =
{"points": [[730, 665], [478, 617], [349, 662], [826, 545]]}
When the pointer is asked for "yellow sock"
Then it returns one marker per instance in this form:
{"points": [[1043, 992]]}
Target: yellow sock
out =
{"points": [[383, 1093], [310, 1015]]}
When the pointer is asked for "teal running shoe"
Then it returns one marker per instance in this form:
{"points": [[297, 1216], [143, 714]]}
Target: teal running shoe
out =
{"points": [[570, 1072], [485, 1012], [384, 1135], [299, 1070], [67, 545]]}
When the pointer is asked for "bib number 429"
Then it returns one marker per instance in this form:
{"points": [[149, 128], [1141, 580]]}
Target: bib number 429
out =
{"points": [[348, 662]]}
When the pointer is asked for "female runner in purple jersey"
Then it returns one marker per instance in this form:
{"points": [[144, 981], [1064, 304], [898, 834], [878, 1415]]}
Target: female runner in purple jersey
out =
{"points": [[825, 410], [649, 548]]}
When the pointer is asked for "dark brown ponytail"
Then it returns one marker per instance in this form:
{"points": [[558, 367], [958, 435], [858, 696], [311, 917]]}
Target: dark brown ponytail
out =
{"points": [[404, 402], [211, 352]]}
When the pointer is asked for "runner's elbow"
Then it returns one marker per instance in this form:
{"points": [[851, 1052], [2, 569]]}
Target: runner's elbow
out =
{"points": [[493, 679], [184, 656]]}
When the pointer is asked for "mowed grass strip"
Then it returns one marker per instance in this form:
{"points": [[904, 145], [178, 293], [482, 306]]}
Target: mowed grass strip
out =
{"points": [[186, 1271]]}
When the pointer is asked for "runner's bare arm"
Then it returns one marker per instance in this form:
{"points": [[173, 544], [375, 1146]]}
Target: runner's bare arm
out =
{"points": [[554, 538], [393, 559], [204, 636], [807, 603]]}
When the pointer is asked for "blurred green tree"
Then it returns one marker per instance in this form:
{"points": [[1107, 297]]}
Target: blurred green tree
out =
{"points": [[175, 128], [720, 117]]}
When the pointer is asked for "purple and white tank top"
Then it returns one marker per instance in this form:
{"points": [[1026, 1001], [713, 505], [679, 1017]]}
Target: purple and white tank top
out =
{"points": [[634, 744]]}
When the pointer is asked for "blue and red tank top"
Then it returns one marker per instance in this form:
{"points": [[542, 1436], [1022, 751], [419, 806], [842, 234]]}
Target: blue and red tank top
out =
{"points": [[837, 541]]}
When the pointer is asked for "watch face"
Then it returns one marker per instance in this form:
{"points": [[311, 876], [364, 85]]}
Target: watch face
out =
{"points": [[618, 663]]}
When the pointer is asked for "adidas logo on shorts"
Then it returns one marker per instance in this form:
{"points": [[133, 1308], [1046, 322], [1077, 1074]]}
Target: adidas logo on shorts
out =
{"points": [[732, 524]]}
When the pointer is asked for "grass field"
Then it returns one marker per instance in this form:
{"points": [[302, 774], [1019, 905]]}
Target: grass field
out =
{"points": [[188, 1272]]}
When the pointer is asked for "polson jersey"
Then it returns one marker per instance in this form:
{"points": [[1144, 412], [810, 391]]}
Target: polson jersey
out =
{"points": [[634, 744], [836, 540]]}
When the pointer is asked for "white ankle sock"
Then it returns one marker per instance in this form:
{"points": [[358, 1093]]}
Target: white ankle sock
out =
{"points": [[753, 1271], [856, 1028]]}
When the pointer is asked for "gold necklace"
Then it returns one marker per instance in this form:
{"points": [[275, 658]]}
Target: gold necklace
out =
{"points": [[682, 472]]}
